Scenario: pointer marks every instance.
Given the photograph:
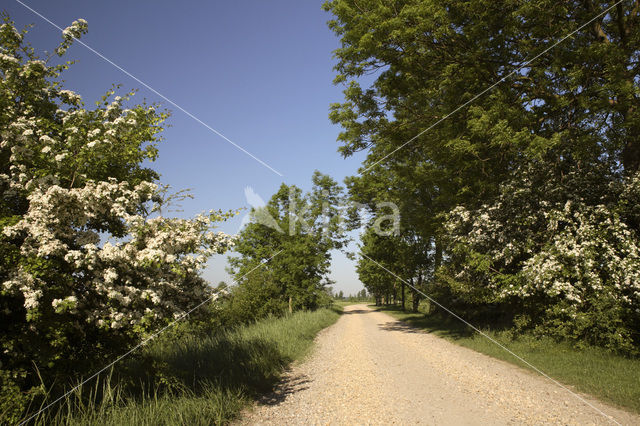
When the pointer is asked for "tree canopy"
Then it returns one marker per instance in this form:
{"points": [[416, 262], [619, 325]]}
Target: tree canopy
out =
{"points": [[508, 134], [292, 237]]}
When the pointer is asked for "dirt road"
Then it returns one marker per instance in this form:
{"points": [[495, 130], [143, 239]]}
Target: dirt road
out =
{"points": [[371, 369]]}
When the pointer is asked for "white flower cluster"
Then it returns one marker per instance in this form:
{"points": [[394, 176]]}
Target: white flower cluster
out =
{"points": [[152, 273], [593, 251], [91, 246], [72, 98], [69, 34], [565, 252], [9, 34]]}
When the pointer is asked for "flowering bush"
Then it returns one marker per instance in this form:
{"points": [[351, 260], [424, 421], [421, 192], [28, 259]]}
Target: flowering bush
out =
{"points": [[88, 266], [572, 262]]}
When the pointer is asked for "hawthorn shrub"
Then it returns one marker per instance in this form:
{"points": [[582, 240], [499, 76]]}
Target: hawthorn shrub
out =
{"points": [[88, 265]]}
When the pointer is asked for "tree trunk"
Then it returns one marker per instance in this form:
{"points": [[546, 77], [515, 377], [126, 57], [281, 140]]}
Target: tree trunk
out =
{"points": [[437, 258], [416, 301], [416, 295], [290, 305], [403, 295]]}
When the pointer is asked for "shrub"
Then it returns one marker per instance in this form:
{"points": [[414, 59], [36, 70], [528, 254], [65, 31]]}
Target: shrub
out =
{"points": [[88, 266]]}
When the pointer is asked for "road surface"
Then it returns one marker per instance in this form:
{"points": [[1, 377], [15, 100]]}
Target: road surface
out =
{"points": [[369, 368]]}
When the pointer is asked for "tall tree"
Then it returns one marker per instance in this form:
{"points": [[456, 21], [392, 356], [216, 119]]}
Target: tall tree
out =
{"points": [[575, 105], [293, 236], [557, 110]]}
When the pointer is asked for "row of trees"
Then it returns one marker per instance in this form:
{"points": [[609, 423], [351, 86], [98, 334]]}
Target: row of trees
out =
{"points": [[520, 207], [359, 296]]}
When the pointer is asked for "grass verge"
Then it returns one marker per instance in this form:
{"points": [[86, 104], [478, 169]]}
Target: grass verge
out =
{"points": [[340, 304], [610, 377], [196, 380]]}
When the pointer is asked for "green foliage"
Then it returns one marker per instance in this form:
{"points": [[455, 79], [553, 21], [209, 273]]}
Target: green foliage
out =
{"points": [[385, 258], [257, 297], [284, 252], [194, 378], [478, 191], [13, 398], [87, 266]]}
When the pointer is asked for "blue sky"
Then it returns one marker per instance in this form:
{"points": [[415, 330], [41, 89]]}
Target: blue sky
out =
{"points": [[258, 72]]}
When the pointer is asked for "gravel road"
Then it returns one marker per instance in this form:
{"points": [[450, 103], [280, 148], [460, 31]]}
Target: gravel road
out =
{"points": [[369, 368]]}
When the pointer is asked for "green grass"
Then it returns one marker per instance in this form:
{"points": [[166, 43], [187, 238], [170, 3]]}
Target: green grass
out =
{"points": [[195, 380], [342, 303], [610, 377]]}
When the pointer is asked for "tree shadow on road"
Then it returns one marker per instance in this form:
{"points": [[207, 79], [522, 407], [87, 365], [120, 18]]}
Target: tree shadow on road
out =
{"points": [[358, 311], [421, 323], [289, 385], [399, 326]]}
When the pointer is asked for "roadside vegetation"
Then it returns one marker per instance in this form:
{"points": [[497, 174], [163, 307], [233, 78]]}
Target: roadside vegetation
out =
{"points": [[195, 379], [91, 268], [517, 181], [343, 303], [596, 371]]}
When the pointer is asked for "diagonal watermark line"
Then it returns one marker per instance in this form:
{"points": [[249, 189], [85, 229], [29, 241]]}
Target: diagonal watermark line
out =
{"points": [[607, 416], [154, 91], [139, 345], [488, 89]]}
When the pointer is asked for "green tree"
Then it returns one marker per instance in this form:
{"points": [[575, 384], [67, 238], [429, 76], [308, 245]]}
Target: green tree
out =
{"points": [[572, 106], [292, 236], [562, 128], [428, 57], [385, 258]]}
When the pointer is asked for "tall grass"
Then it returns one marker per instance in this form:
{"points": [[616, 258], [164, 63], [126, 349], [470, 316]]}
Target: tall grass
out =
{"points": [[194, 380], [611, 377]]}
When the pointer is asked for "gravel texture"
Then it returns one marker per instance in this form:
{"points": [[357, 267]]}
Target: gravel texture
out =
{"points": [[369, 368]]}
